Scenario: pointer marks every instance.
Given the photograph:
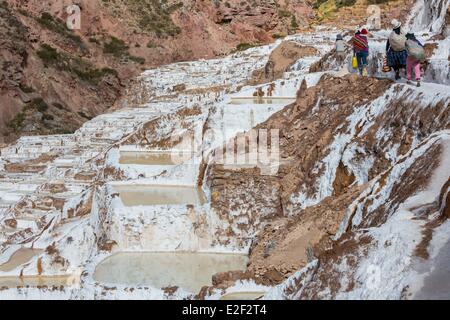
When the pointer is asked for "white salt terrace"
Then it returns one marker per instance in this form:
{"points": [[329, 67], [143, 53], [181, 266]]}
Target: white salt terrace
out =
{"points": [[190, 271]]}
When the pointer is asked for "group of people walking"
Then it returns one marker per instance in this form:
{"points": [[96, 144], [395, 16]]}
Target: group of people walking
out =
{"points": [[403, 51]]}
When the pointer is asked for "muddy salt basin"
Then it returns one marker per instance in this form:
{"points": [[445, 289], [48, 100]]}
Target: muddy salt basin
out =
{"points": [[37, 281], [246, 296], [436, 285], [19, 258], [261, 100], [154, 158], [148, 195], [190, 271]]}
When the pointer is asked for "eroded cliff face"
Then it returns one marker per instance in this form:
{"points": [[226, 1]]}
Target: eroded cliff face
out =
{"points": [[353, 153], [352, 264]]}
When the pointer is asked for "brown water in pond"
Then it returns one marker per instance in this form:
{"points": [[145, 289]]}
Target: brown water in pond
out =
{"points": [[147, 195], [190, 271], [153, 158], [19, 258]]}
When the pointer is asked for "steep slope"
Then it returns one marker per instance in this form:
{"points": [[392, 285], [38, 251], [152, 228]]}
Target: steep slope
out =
{"points": [[362, 182], [62, 78], [55, 78]]}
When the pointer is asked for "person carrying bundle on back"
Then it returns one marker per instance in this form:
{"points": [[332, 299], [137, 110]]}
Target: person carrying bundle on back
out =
{"points": [[361, 50], [396, 48], [416, 55]]}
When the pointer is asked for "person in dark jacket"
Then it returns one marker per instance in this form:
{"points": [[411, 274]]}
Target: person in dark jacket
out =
{"points": [[396, 49], [361, 50]]}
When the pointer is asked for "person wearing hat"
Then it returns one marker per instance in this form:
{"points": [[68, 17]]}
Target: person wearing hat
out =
{"points": [[340, 49], [361, 50], [416, 54], [396, 48]]}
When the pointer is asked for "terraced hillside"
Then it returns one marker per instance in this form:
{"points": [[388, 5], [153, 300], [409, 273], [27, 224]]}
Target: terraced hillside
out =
{"points": [[274, 172]]}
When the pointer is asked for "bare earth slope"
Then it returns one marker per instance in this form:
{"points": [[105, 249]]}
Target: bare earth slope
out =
{"points": [[46, 91]]}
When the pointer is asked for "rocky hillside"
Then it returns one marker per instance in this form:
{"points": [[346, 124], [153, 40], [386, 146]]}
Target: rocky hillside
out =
{"points": [[54, 79]]}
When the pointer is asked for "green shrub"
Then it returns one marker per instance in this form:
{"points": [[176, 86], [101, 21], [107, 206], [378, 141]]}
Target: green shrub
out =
{"points": [[116, 47], [278, 35], [284, 13], [318, 3], [80, 68], [47, 21], [47, 116], [154, 16], [48, 54], [39, 104], [26, 88], [139, 60], [344, 3], [294, 24], [16, 124], [244, 46]]}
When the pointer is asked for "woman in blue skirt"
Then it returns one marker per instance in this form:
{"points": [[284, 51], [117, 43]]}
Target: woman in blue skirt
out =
{"points": [[396, 49]]}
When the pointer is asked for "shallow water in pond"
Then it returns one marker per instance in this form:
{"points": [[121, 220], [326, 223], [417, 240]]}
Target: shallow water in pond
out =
{"points": [[190, 271], [436, 285], [153, 158], [18, 258], [242, 296], [263, 100], [35, 281], [147, 195]]}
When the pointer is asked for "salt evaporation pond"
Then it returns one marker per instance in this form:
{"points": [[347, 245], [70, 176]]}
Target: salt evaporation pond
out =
{"points": [[243, 296], [436, 285], [190, 271], [22, 257], [147, 195], [18, 258], [154, 158], [36, 281], [262, 100]]}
